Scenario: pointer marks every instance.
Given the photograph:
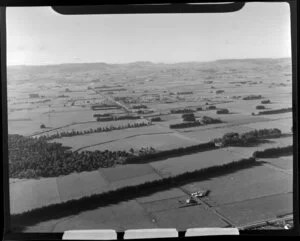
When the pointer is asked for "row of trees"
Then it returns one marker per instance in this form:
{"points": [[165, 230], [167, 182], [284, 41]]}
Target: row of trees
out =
{"points": [[235, 139], [274, 152], [153, 155], [90, 131], [141, 106], [116, 118], [185, 125], [252, 97], [278, 111]]}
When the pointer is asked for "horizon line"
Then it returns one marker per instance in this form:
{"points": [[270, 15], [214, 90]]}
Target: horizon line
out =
{"points": [[142, 61]]}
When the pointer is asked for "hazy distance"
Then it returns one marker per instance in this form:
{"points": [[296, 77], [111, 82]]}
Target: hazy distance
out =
{"points": [[40, 36]]}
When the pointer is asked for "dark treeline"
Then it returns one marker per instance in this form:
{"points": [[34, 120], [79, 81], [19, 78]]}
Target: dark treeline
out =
{"points": [[181, 151], [141, 106], [116, 118], [223, 111], [101, 115], [90, 131], [185, 125], [252, 97], [72, 207], [278, 111], [274, 152], [236, 139]]}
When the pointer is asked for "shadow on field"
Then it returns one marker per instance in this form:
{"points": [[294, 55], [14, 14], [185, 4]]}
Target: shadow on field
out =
{"points": [[74, 207]]}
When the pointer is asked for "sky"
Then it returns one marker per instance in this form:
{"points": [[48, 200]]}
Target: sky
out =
{"points": [[40, 36]]}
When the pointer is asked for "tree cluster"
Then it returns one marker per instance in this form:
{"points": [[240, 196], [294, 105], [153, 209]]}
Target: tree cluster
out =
{"points": [[188, 117], [235, 139], [260, 107], [223, 111], [265, 102], [154, 119], [32, 158]]}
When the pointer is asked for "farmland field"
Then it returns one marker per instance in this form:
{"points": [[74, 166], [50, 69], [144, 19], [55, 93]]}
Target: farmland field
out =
{"points": [[245, 184], [178, 165], [158, 141], [97, 111], [265, 208]]}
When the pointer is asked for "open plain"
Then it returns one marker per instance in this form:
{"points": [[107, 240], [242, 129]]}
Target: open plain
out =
{"points": [[132, 108]]}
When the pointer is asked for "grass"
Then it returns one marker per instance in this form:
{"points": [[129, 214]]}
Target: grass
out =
{"points": [[73, 207]]}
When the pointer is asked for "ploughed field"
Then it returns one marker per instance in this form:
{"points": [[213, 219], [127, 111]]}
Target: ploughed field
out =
{"points": [[238, 198]]}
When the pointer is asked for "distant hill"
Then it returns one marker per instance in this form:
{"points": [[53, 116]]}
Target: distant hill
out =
{"points": [[87, 72]]}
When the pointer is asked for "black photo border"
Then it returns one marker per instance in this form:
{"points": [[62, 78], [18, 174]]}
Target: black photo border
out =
{"points": [[116, 7]]}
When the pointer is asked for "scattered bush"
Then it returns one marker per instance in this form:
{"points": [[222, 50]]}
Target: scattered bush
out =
{"points": [[265, 102], [199, 108], [42, 126]]}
